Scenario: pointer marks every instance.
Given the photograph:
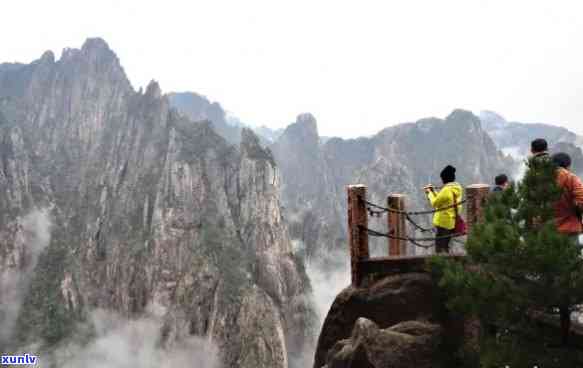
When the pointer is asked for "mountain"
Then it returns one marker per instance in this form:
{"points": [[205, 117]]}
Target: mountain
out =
{"points": [[515, 137], [199, 108], [399, 159], [113, 201]]}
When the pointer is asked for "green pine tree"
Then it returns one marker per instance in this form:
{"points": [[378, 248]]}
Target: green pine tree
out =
{"points": [[518, 272]]}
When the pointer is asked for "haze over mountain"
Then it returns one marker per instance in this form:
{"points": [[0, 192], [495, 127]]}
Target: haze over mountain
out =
{"points": [[517, 136], [514, 138]]}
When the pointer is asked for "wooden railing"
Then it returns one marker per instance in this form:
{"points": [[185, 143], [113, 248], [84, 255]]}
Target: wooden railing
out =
{"points": [[362, 265]]}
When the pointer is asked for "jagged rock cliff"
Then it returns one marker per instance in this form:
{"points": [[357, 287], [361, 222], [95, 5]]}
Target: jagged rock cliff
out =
{"points": [[149, 212], [399, 159]]}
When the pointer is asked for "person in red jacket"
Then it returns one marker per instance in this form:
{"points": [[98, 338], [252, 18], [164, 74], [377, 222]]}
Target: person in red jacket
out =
{"points": [[568, 209]]}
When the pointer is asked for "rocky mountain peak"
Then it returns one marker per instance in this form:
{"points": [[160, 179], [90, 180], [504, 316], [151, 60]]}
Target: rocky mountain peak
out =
{"points": [[492, 119], [303, 132], [95, 60], [48, 57], [308, 121], [153, 90], [97, 51], [96, 45], [249, 139], [463, 117]]}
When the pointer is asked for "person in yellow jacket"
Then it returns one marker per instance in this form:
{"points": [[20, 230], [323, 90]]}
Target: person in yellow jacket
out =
{"points": [[444, 221]]}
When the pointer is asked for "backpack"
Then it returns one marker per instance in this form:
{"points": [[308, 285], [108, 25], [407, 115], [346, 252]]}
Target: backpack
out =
{"points": [[460, 224]]}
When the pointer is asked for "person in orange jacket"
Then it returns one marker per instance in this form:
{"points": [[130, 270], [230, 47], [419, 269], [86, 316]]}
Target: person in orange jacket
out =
{"points": [[569, 207]]}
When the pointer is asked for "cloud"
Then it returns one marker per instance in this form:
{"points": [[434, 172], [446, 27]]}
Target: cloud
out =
{"points": [[519, 155], [33, 235], [329, 275], [123, 343]]}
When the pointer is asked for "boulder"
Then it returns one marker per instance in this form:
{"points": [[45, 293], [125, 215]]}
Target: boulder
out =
{"points": [[407, 344], [390, 301]]}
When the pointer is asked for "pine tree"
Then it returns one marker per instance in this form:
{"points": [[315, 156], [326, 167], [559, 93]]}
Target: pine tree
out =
{"points": [[518, 271]]}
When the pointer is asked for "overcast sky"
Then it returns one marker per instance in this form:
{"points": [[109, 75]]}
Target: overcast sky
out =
{"points": [[358, 66]]}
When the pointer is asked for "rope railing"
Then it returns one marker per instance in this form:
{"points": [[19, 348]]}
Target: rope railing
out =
{"points": [[419, 227], [415, 241], [409, 213], [377, 210]]}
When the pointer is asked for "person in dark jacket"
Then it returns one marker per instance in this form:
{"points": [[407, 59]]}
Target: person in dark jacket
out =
{"points": [[501, 182], [539, 148]]}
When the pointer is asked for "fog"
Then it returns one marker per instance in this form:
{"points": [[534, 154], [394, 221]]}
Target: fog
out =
{"points": [[123, 343], [32, 236], [329, 276], [519, 155]]}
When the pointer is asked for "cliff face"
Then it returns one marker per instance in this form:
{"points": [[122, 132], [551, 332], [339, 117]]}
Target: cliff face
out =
{"points": [[310, 197], [150, 213], [399, 159]]}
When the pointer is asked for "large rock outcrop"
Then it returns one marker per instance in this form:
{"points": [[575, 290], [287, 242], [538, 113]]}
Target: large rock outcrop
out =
{"points": [[404, 345], [149, 212], [398, 321]]}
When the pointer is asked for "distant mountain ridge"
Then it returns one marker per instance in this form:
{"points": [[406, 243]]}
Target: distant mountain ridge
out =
{"points": [[198, 108], [514, 135]]}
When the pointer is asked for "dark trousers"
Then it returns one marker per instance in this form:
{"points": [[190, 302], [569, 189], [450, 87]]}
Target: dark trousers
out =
{"points": [[442, 245]]}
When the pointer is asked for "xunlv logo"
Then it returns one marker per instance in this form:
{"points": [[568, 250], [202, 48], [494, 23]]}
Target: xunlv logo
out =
{"points": [[19, 359]]}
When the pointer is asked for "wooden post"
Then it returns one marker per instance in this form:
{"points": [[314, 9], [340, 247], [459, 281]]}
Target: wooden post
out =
{"points": [[476, 195], [396, 222], [357, 237]]}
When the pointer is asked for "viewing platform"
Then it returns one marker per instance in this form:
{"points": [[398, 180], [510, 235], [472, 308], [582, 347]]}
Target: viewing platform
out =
{"points": [[365, 268]]}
